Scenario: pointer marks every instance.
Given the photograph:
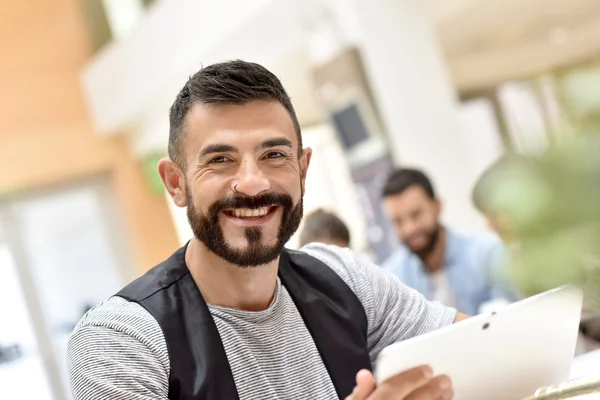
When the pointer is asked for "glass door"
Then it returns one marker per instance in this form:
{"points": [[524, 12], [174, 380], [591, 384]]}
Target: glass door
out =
{"points": [[69, 254], [23, 365]]}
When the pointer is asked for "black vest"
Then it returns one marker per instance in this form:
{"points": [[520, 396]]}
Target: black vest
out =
{"points": [[199, 368]]}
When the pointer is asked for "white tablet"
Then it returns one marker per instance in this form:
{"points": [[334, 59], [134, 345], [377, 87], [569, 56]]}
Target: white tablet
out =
{"points": [[505, 355]]}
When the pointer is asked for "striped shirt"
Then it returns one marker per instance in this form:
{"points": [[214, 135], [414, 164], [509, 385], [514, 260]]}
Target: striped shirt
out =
{"points": [[118, 351]]}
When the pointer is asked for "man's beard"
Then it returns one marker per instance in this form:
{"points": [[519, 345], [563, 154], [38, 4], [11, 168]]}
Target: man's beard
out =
{"points": [[207, 228], [432, 239]]}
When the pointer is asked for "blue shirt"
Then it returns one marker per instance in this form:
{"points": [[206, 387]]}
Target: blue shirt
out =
{"points": [[475, 266]]}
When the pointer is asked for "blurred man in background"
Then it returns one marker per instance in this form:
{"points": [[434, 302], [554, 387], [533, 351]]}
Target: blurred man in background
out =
{"points": [[324, 227], [454, 269]]}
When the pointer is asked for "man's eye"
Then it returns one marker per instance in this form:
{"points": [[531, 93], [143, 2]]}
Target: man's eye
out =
{"points": [[218, 160], [275, 154]]}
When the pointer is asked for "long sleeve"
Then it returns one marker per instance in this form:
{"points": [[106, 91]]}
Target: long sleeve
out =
{"points": [[117, 352]]}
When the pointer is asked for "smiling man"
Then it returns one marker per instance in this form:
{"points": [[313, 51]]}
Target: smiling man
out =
{"points": [[233, 314]]}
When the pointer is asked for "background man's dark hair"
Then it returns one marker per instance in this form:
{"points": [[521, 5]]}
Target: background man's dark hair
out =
{"points": [[232, 82], [321, 224], [402, 179]]}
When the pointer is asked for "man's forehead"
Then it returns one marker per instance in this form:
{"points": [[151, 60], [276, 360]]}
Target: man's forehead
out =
{"points": [[214, 122], [238, 116], [407, 200]]}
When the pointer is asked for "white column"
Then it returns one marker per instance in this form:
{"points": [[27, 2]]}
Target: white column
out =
{"points": [[415, 96]]}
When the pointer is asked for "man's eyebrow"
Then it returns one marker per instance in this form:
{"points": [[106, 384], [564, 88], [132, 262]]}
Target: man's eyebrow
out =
{"points": [[267, 144], [217, 148]]}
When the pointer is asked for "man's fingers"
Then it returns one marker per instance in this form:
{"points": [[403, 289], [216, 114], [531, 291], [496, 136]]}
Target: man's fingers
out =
{"points": [[439, 388], [365, 385], [415, 384], [405, 383]]}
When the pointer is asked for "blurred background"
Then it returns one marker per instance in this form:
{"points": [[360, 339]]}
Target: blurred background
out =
{"points": [[446, 86]]}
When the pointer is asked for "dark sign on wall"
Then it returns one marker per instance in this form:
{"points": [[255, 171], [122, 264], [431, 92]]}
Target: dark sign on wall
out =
{"points": [[369, 180]]}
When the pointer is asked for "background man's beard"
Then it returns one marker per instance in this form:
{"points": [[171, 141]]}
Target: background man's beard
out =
{"points": [[207, 228], [433, 238]]}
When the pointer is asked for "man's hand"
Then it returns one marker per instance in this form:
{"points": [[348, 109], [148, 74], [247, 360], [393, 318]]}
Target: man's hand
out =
{"points": [[415, 384]]}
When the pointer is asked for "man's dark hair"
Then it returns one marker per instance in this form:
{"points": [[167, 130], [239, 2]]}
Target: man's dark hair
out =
{"points": [[231, 82], [324, 225], [402, 179]]}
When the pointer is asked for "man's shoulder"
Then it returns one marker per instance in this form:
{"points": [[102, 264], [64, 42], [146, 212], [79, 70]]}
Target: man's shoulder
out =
{"points": [[477, 250], [475, 241], [360, 274], [160, 277], [399, 260], [354, 270], [341, 260], [121, 316], [117, 338]]}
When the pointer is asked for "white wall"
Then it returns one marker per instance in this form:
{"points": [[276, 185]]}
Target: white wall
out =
{"points": [[329, 184], [524, 116], [480, 131]]}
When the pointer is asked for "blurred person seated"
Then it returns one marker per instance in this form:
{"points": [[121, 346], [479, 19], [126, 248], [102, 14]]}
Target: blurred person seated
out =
{"points": [[532, 204], [509, 193], [325, 227], [455, 269]]}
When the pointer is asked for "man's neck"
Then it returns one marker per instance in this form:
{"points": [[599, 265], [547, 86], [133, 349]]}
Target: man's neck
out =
{"points": [[434, 261], [224, 284]]}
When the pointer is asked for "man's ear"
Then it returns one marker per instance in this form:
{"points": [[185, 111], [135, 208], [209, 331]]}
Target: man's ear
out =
{"points": [[174, 180], [304, 163]]}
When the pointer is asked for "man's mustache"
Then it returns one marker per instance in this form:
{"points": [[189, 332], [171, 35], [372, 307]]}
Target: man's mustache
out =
{"points": [[258, 201]]}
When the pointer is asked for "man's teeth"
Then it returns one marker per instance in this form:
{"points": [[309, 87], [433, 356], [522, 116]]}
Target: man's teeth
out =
{"points": [[247, 212]]}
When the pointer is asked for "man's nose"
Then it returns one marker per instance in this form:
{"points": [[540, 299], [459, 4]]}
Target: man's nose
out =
{"points": [[250, 179], [409, 228]]}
